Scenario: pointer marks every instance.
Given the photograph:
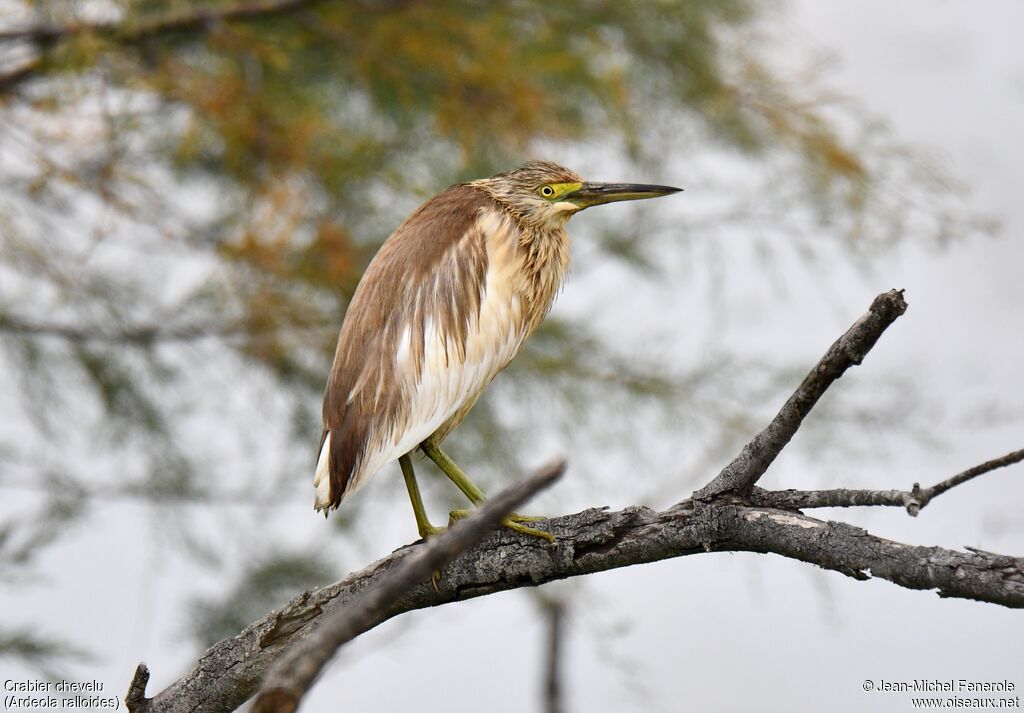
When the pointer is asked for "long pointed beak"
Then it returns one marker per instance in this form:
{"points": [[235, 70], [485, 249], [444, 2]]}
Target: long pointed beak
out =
{"points": [[590, 194]]}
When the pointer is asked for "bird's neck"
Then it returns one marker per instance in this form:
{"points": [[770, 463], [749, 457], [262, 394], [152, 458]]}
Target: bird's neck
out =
{"points": [[532, 260], [543, 257]]}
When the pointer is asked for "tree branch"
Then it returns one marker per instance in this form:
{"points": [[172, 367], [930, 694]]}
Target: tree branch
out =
{"points": [[597, 540], [290, 678], [593, 541], [849, 350], [914, 500]]}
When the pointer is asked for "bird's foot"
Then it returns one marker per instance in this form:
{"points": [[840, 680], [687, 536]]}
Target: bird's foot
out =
{"points": [[516, 517], [458, 515], [512, 522], [514, 525], [427, 530]]}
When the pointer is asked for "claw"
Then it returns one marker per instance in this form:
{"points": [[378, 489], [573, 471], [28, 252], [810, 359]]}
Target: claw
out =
{"points": [[524, 530], [426, 532], [458, 515], [512, 522], [516, 517]]}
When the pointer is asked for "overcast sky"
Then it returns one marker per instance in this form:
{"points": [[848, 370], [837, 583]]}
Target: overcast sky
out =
{"points": [[726, 632]]}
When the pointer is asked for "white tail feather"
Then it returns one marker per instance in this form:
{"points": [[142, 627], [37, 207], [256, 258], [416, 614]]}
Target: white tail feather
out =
{"points": [[322, 479]]}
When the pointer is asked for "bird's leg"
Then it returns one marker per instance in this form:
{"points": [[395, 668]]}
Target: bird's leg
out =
{"points": [[475, 495], [422, 523], [453, 471]]}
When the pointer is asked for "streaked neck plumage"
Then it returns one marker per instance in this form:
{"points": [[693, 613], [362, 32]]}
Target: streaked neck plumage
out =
{"points": [[540, 253]]}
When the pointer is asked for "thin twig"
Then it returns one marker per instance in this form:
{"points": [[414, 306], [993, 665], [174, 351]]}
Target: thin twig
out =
{"points": [[289, 679], [970, 473], [914, 500], [132, 33], [832, 498], [195, 18], [141, 334], [849, 350]]}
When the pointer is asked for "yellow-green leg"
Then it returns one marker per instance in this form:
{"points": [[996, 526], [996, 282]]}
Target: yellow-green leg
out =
{"points": [[422, 522], [475, 495]]}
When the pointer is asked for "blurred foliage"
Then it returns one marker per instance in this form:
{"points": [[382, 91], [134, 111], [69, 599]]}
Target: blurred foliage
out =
{"points": [[263, 586], [190, 190], [42, 653]]}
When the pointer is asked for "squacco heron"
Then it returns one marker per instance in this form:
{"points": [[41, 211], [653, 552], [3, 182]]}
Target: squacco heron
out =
{"points": [[445, 305]]}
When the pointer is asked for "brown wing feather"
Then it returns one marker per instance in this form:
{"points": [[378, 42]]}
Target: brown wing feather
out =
{"points": [[433, 265]]}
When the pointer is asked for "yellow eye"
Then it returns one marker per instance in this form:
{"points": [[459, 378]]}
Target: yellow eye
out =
{"points": [[547, 191]]}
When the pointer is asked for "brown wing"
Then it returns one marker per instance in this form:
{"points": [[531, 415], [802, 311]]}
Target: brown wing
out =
{"points": [[434, 265]]}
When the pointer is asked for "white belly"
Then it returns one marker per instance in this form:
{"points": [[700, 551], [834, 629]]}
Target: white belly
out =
{"points": [[450, 378]]}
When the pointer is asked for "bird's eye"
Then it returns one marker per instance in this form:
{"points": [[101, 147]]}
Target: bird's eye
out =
{"points": [[547, 191]]}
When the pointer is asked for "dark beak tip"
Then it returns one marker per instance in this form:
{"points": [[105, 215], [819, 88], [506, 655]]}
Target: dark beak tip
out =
{"points": [[665, 191], [662, 190]]}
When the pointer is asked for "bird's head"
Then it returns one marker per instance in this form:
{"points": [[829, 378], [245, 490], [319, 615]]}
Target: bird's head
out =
{"points": [[546, 194]]}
